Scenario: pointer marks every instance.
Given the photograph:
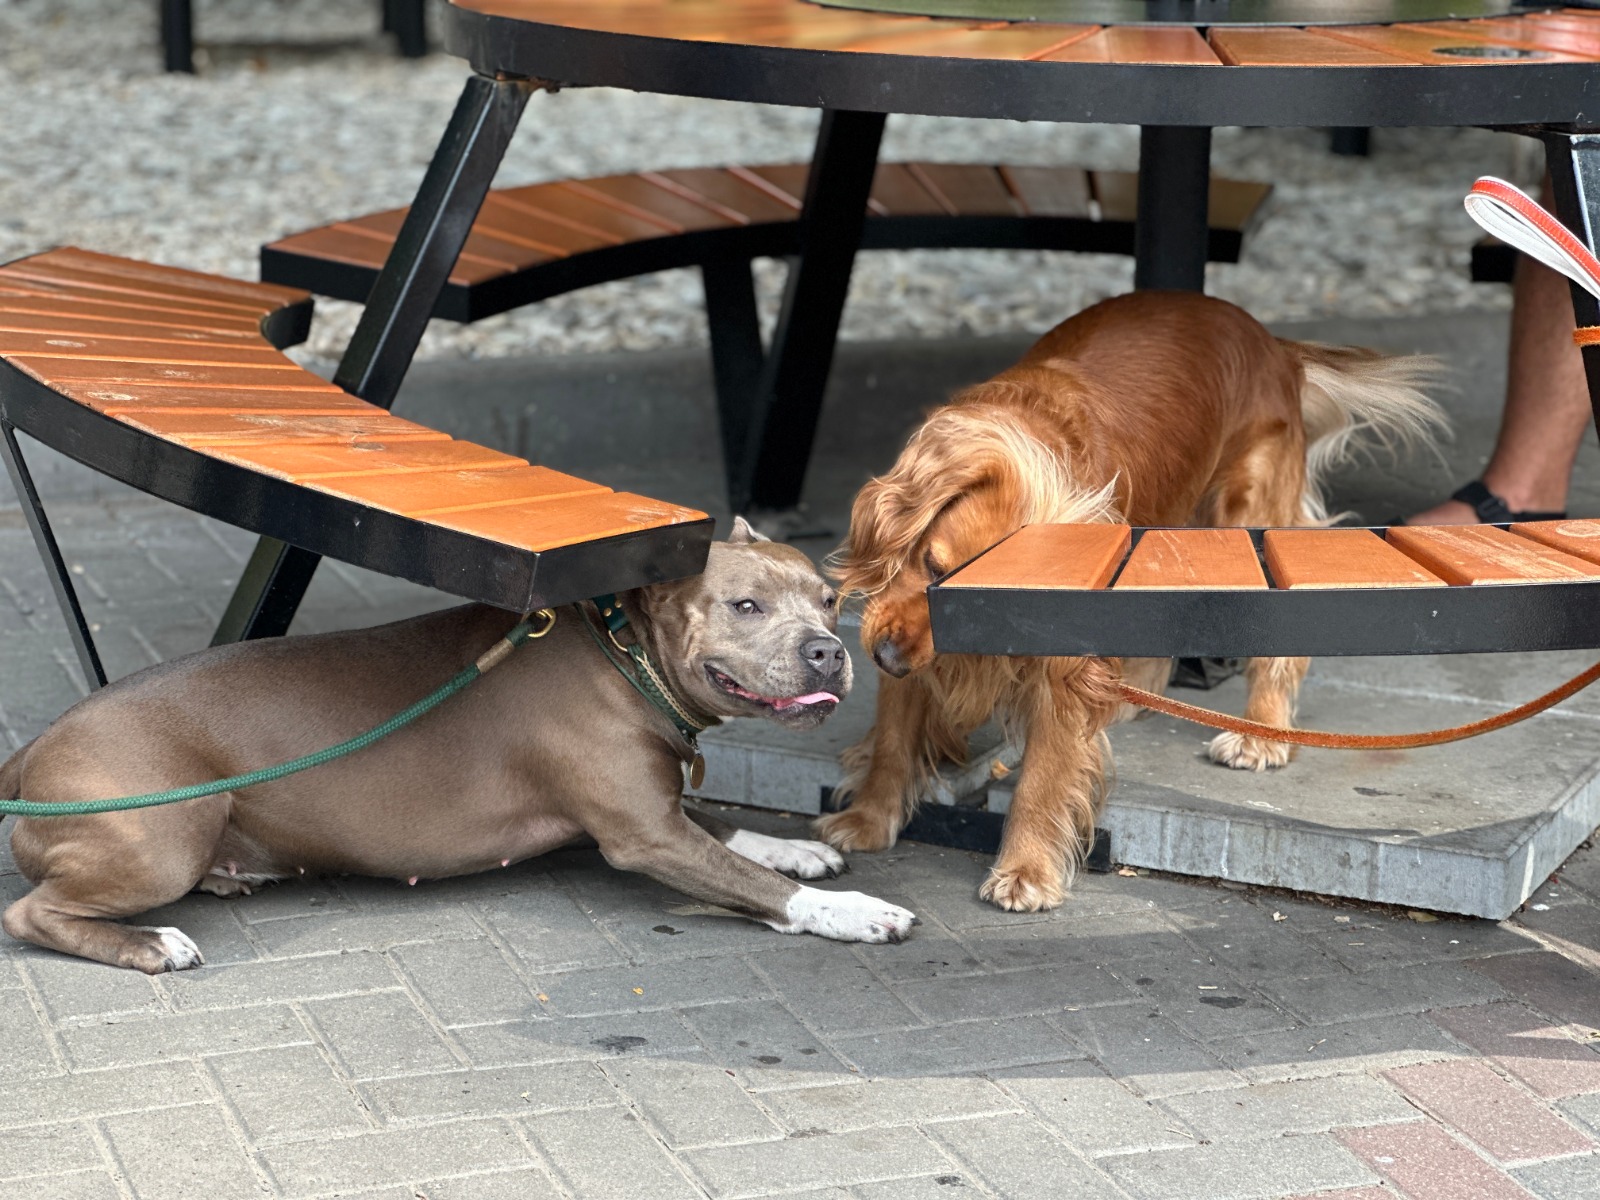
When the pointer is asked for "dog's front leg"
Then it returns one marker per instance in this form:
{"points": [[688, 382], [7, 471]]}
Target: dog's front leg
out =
{"points": [[1066, 705], [684, 856], [787, 856], [884, 771], [1274, 688]]}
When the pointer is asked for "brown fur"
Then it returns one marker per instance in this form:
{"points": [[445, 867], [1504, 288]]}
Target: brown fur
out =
{"points": [[1153, 409]]}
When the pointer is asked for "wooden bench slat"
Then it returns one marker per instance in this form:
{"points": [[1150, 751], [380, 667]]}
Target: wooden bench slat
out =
{"points": [[19, 295], [1579, 538], [1221, 559], [900, 193], [636, 194], [288, 377], [1069, 557], [537, 241], [553, 202], [37, 270], [435, 493], [726, 193], [1473, 554], [1285, 47], [276, 427], [1048, 191], [967, 189], [116, 398], [1137, 44], [264, 296], [1527, 32], [56, 324], [1019, 42], [136, 349], [1339, 558], [567, 521], [306, 463], [1423, 45], [784, 182]]}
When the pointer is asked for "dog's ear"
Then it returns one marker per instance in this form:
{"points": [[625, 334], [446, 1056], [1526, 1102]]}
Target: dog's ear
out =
{"points": [[743, 532]]}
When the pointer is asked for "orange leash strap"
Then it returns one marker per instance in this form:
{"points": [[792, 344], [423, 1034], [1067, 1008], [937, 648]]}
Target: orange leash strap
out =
{"points": [[1357, 741]]}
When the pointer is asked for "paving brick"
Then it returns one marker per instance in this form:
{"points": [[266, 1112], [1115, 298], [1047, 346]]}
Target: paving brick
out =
{"points": [[380, 1034], [1526, 1045], [966, 1046], [1242, 1170], [499, 1091], [1585, 1110], [1093, 1112], [548, 932], [931, 953], [609, 1153], [922, 1187], [1426, 1163], [292, 898], [27, 1047], [1303, 1106], [833, 988], [286, 1095], [526, 1183], [1283, 954], [213, 924], [693, 1103], [652, 986], [1329, 998], [244, 984], [1545, 981], [1563, 1178], [566, 1039], [47, 1150], [764, 1045], [156, 1039], [1498, 1116], [73, 988], [869, 1104], [1363, 1193], [99, 1094], [176, 1153], [1016, 1156], [827, 1160], [80, 1185], [1203, 998], [1147, 1052], [467, 983], [1014, 993], [344, 932], [1323, 1050], [394, 1156], [1110, 939]]}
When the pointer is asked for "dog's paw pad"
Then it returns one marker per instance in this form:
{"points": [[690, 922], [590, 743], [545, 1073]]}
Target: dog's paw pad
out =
{"points": [[847, 917], [1245, 753], [169, 950], [1024, 889]]}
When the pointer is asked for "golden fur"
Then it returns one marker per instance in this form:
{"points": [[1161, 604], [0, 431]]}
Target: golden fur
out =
{"points": [[1157, 408]]}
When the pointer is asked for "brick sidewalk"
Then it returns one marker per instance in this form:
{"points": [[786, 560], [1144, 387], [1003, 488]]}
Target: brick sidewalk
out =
{"points": [[559, 1029]]}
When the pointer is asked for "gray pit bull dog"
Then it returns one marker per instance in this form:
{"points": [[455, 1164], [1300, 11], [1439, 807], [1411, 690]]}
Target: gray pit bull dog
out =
{"points": [[551, 746]]}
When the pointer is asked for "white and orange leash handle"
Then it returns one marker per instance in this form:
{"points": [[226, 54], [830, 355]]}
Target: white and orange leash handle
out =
{"points": [[1508, 213]]}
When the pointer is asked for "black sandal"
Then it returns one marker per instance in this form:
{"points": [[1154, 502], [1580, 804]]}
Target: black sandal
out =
{"points": [[1490, 509]]}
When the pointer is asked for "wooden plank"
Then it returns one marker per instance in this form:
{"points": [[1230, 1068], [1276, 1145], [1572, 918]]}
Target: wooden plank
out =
{"points": [[1134, 44], [342, 245], [434, 493], [202, 430], [269, 295], [725, 193], [56, 324], [901, 194], [966, 189], [138, 349], [554, 203], [567, 521], [303, 463], [46, 269], [637, 195], [1339, 558], [1233, 203], [1469, 554], [116, 398], [784, 183], [1061, 557], [535, 241], [1022, 42], [1217, 559], [1049, 191], [22, 295], [1527, 32], [1421, 44], [1579, 538], [287, 376], [1284, 47]]}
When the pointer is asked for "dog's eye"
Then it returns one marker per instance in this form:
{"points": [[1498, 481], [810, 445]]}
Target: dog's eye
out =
{"points": [[829, 601], [931, 565], [745, 607]]}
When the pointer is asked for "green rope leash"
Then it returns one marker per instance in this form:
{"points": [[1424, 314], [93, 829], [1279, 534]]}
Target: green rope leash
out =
{"points": [[524, 631]]}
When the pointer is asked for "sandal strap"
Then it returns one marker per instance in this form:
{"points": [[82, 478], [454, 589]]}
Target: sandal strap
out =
{"points": [[1492, 510]]}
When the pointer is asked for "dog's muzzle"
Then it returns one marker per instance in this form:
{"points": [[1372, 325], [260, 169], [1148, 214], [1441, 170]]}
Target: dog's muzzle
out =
{"points": [[889, 659]]}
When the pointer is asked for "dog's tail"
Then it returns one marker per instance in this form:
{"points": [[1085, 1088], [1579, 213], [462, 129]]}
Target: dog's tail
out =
{"points": [[1355, 401]]}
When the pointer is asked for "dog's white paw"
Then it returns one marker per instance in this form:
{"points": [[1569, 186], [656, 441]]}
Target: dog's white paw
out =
{"points": [[846, 917], [177, 946], [790, 856], [1244, 753]]}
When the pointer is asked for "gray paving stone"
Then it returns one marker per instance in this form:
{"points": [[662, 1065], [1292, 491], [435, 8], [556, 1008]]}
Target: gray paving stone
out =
{"points": [[692, 981], [932, 952], [28, 1054], [1584, 1109], [292, 898], [1147, 1052], [1322, 1050], [835, 990], [548, 932], [212, 922], [313, 1168], [1563, 1178], [565, 1039], [245, 984], [1119, 937], [156, 1039], [380, 1034], [497, 1091], [827, 1160], [1369, 941], [922, 1187], [73, 988], [764, 1045], [1302, 1106], [47, 1150], [1203, 998], [1241, 1170], [691, 1103], [1015, 993], [467, 983], [946, 1049], [870, 1104], [1017, 1156], [342, 932], [80, 1185], [100, 1094], [287, 1095], [177, 1153], [608, 1152], [1330, 998], [525, 1183], [1283, 954], [1092, 1112]]}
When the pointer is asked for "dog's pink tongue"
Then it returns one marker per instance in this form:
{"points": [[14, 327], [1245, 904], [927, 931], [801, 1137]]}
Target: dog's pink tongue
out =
{"points": [[816, 698]]}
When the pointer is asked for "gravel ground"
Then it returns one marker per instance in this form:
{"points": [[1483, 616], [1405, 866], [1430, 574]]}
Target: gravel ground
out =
{"points": [[301, 115]]}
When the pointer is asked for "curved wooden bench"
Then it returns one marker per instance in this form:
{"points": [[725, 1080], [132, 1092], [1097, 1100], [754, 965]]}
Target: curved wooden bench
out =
{"points": [[530, 243], [175, 382], [1115, 591]]}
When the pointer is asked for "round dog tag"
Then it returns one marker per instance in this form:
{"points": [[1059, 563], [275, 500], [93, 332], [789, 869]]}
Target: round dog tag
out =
{"points": [[696, 770]]}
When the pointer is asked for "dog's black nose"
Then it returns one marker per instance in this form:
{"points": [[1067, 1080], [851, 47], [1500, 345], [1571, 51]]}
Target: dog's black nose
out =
{"points": [[889, 659], [824, 655]]}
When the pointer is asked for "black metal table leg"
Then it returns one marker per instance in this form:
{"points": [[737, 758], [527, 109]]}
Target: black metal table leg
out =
{"points": [[737, 355], [1174, 202], [404, 19], [375, 362], [1350, 141], [781, 418], [177, 34], [45, 540], [1574, 163]]}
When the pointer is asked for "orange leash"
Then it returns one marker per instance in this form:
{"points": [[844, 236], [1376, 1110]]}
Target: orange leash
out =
{"points": [[1357, 741]]}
